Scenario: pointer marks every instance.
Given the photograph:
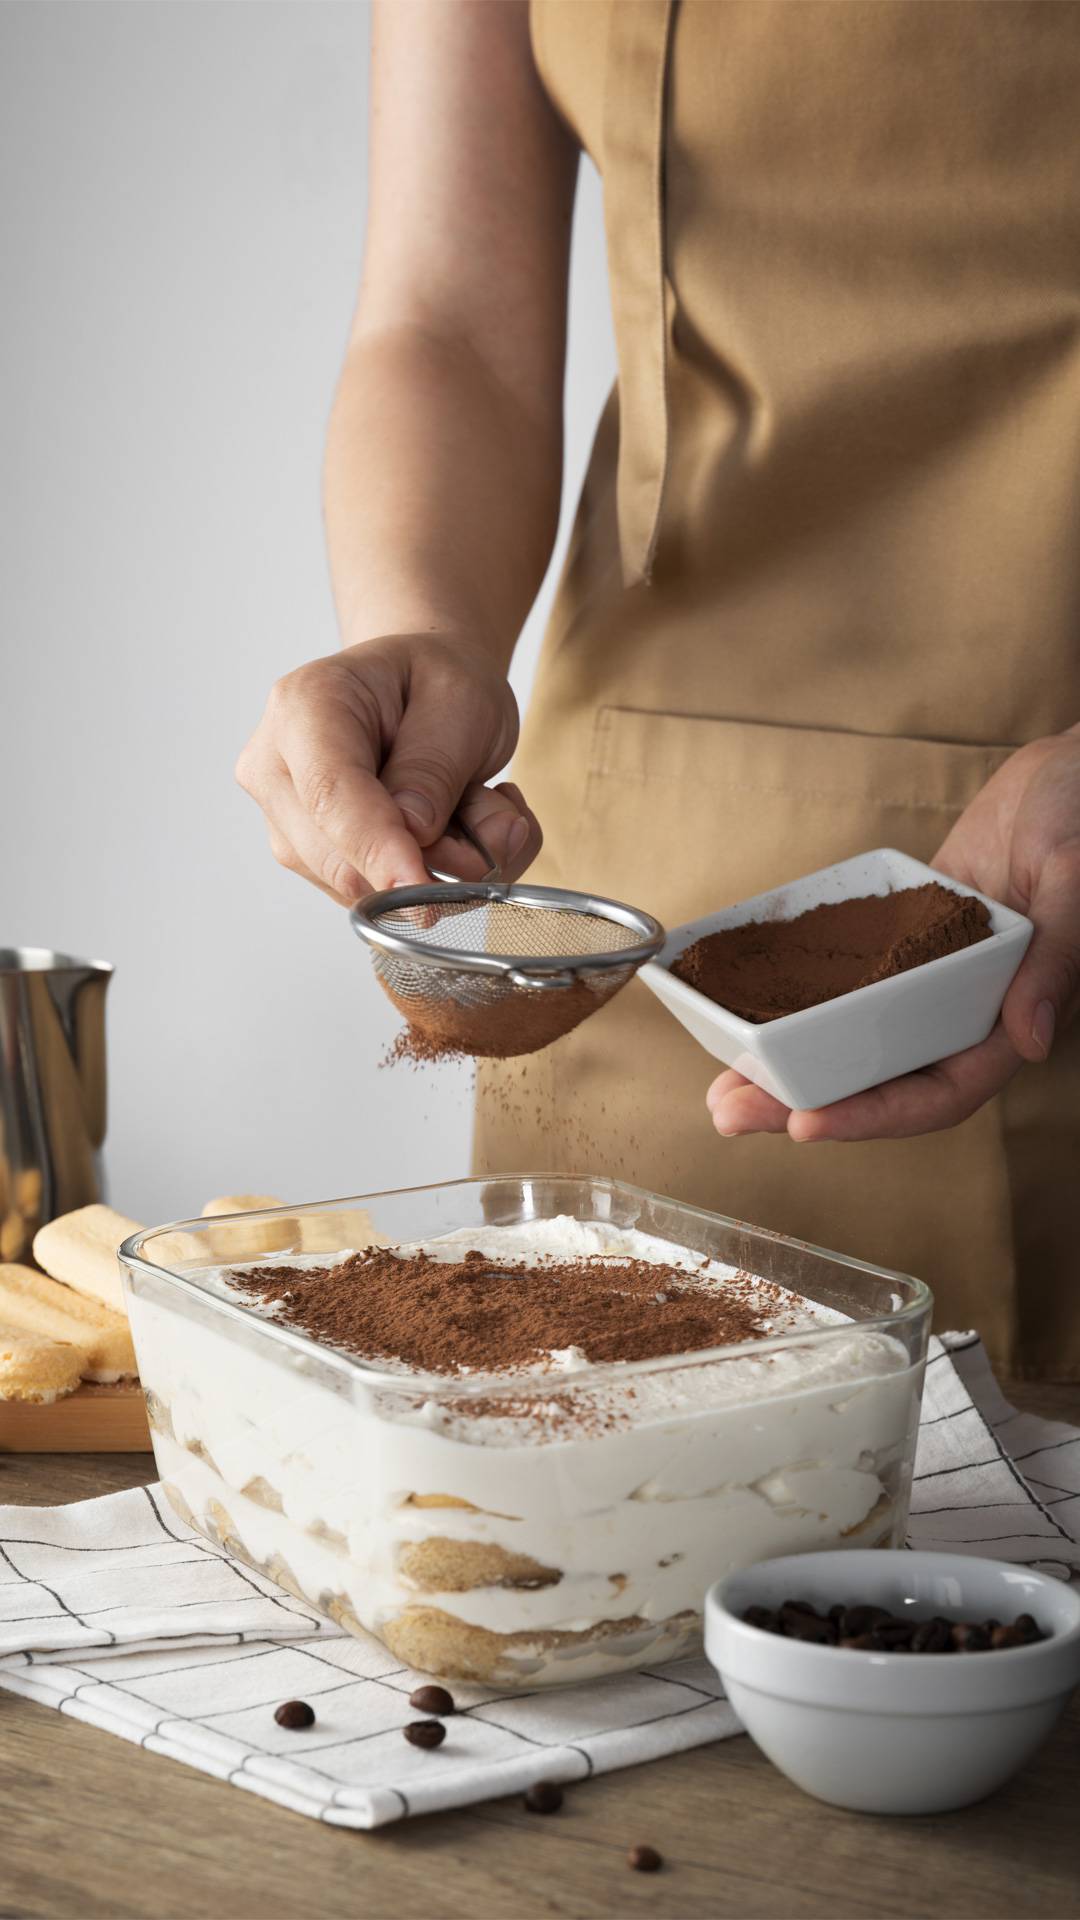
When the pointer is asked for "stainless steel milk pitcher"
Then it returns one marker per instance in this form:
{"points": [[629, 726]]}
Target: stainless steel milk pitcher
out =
{"points": [[52, 1089]]}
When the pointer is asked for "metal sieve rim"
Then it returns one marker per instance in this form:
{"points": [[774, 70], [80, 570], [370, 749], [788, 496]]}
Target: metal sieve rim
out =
{"points": [[365, 922]]}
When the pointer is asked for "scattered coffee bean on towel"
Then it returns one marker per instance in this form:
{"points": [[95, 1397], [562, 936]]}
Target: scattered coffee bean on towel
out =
{"points": [[645, 1859], [425, 1733], [543, 1797], [432, 1700], [294, 1714], [871, 1629]]}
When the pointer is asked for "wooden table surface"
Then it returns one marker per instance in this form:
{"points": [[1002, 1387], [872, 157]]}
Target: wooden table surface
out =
{"points": [[95, 1827]]}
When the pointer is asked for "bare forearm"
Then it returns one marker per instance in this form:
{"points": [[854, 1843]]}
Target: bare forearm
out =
{"points": [[442, 491], [443, 468]]}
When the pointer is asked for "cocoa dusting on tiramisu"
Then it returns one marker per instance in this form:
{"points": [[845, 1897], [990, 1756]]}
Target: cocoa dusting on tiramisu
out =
{"points": [[768, 968], [481, 1315]]}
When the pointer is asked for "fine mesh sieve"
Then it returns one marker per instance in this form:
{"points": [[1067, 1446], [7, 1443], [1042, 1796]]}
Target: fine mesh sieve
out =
{"points": [[486, 968]]}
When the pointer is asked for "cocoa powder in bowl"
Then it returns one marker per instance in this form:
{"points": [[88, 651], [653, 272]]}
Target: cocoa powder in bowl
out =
{"points": [[765, 969]]}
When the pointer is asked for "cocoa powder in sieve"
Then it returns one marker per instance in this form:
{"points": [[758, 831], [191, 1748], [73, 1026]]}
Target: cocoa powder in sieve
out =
{"points": [[443, 1316], [499, 1026], [767, 968]]}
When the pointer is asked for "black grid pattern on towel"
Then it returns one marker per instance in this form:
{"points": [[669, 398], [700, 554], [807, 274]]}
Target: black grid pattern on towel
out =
{"points": [[192, 1652]]}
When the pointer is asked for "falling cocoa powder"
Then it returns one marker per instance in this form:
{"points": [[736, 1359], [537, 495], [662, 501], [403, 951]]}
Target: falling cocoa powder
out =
{"points": [[481, 1314], [768, 968]]}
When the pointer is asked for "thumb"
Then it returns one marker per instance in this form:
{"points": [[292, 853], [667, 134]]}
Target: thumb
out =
{"points": [[1046, 988]]}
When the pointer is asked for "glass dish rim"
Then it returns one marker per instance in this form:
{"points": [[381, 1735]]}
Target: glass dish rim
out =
{"points": [[484, 1386]]}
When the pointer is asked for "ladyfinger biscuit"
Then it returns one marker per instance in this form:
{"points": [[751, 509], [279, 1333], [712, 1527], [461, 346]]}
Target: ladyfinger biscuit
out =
{"points": [[240, 1203], [332, 1232], [240, 1241], [35, 1304], [179, 1251], [80, 1249], [34, 1368]]}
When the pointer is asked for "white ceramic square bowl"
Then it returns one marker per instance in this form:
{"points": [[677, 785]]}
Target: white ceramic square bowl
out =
{"points": [[822, 1054]]}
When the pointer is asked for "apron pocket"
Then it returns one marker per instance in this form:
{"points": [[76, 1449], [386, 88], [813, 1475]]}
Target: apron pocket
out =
{"points": [[683, 815]]}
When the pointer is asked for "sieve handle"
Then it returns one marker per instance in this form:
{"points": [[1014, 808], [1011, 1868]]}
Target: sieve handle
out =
{"points": [[543, 980], [461, 826]]}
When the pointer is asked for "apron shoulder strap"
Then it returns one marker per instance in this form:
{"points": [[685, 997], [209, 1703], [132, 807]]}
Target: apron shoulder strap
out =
{"points": [[634, 116]]}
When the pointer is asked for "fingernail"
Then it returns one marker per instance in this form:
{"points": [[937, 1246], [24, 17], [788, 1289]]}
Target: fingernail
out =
{"points": [[416, 808], [516, 837], [1042, 1027]]}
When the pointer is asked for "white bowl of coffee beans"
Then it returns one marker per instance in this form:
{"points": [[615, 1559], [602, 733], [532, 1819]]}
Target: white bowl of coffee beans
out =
{"points": [[894, 1682]]}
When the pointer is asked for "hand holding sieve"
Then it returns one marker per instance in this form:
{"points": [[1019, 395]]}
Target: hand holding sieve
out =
{"points": [[469, 962]]}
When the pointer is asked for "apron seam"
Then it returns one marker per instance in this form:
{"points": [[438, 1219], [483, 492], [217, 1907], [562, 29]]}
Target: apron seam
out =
{"points": [[636, 90], [797, 728], [837, 794], [662, 398]]}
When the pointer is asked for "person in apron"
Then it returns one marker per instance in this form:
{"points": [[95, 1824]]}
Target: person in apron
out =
{"points": [[822, 592]]}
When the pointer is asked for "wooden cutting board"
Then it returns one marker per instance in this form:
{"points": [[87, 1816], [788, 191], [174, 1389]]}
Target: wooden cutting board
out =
{"points": [[93, 1419]]}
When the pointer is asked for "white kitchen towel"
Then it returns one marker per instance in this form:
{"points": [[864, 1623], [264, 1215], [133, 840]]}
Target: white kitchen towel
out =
{"points": [[115, 1612]]}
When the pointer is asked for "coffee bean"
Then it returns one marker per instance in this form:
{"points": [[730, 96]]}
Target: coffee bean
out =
{"points": [[969, 1637], [859, 1620], [931, 1636], [645, 1859], [762, 1617], [800, 1622], [432, 1700], [543, 1797], [893, 1636], [809, 1628], [870, 1629], [294, 1714], [425, 1733]]}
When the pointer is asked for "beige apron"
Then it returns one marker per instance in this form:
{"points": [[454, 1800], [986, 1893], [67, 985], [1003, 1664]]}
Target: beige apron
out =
{"points": [[825, 573]]}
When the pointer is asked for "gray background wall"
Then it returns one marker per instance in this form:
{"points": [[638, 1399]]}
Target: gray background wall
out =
{"points": [[180, 229]]}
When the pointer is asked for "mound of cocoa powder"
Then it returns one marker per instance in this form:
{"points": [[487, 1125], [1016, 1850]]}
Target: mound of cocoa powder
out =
{"points": [[767, 968], [442, 1316]]}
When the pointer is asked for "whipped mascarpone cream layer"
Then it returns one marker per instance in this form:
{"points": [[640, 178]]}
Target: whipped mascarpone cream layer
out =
{"points": [[631, 1491]]}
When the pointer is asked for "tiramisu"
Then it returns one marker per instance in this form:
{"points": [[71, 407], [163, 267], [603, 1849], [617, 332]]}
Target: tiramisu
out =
{"points": [[765, 969], [545, 1441]]}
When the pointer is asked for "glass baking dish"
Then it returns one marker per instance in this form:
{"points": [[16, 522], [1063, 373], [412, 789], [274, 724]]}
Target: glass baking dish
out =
{"points": [[522, 1531]]}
